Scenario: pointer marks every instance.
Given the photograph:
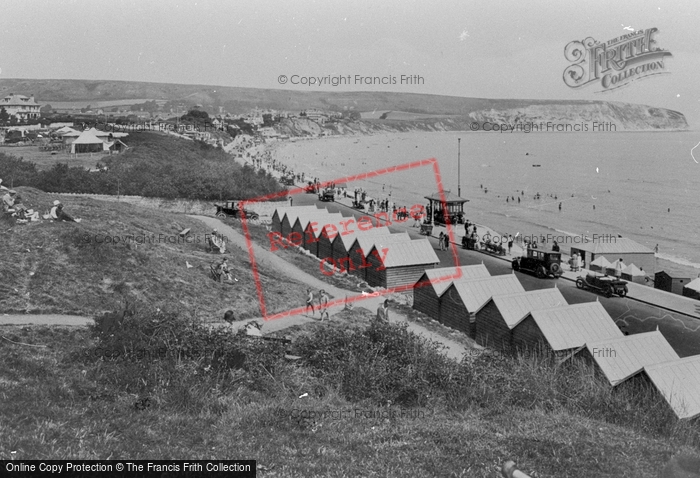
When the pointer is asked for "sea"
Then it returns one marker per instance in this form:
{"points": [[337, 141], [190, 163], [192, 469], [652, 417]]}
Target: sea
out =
{"points": [[640, 185]]}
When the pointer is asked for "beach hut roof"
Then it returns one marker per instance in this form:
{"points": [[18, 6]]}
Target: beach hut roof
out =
{"points": [[367, 242], [349, 239], [405, 253], [694, 284], [614, 245], [573, 326], [336, 223], [293, 213], [679, 384], [515, 307], [476, 293], [450, 198], [443, 277], [321, 221], [601, 262], [633, 270], [282, 210], [620, 358]]}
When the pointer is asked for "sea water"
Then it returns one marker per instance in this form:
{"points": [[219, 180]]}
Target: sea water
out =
{"points": [[641, 185]]}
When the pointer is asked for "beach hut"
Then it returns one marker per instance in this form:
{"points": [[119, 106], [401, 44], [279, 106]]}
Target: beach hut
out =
{"points": [[632, 273], [599, 265], [311, 225], [678, 381], [462, 300], [620, 358], [328, 233], [342, 244], [562, 330], [673, 283], [503, 312], [397, 264], [431, 285], [363, 245], [614, 248], [279, 213], [612, 267], [692, 289], [292, 213]]}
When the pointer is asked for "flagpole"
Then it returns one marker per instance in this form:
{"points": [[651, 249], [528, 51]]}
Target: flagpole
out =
{"points": [[459, 175]]}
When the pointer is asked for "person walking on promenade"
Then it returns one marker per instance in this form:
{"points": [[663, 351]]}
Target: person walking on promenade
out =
{"points": [[446, 238], [618, 268], [310, 301], [291, 199], [510, 243], [383, 311], [323, 305], [441, 241]]}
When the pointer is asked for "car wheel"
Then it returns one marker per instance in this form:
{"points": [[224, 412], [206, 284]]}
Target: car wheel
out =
{"points": [[555, 269], [516, 266], [579, 283], [608, 291], [541, 272], [221, 214], [623, 292]]}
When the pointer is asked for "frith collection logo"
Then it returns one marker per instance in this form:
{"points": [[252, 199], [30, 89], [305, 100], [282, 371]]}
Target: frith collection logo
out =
{"points": [[614, 63]]}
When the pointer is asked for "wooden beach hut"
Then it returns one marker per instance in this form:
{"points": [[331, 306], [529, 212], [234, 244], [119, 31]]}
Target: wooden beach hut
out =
{"points": [[279, 213], [397, 264], [673, 283], [431, 285], [502, 313], [562, 330], [327, 234], [462, 300], [311, 226], [363, 245], [342, 244], [621, 358], [692, 289], [678, 381], [291, 215]]}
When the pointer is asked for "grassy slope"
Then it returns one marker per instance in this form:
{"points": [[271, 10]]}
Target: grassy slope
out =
{"points": [[60, 405], [52, 267]]}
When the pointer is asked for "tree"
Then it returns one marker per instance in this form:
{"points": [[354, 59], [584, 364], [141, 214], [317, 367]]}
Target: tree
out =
{"points": [[4, 116]]}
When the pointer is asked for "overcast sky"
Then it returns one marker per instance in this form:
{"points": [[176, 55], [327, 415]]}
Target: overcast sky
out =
{"points": [[493, 49]]}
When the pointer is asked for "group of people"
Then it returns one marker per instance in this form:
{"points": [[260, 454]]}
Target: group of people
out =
{"points": [[576, 262], [323, 300], [444, 241], [12, 204]]}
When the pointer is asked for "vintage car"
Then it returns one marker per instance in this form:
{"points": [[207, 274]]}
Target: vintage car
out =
{"points": [[287, 180], [310, 188], [230, 209], [541, 262], [602, 283], [327, 195]]}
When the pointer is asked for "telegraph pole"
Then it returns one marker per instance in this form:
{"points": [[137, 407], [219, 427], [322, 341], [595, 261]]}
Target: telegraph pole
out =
{"points": [[459, 175]]}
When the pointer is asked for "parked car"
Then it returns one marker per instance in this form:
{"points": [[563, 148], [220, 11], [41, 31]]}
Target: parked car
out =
{"points": [[541, 262], [327, 195], [230, 209], [601, 283]]}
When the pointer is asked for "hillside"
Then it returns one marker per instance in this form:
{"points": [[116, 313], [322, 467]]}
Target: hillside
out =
{"points": [[120, 250], [241, 100]]}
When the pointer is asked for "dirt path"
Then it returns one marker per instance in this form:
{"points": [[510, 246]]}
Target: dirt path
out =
{"points": [[44, 319], [453, 350]]}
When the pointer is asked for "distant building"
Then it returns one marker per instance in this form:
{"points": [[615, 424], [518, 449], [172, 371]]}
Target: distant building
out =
{"points": [[21, 107], [615, 248]]}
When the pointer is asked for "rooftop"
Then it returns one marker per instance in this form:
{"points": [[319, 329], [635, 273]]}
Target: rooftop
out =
{"points": [[443, 277], [475, 293], [679, 383], [515, 307]]}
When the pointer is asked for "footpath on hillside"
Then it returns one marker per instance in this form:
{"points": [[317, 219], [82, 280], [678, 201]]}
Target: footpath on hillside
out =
{"points": [[453, 349]]}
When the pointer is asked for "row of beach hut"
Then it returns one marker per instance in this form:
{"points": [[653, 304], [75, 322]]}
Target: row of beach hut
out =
{"points": [[498, 313], [361, 247]]}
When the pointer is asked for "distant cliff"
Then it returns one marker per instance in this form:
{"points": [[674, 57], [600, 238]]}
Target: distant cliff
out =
{"points": [[624, 117]]}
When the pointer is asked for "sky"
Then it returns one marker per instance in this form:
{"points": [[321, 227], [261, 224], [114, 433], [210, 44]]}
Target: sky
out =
{"points": [[496, 49]]}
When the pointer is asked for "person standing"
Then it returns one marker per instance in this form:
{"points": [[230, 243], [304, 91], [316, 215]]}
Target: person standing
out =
{"points": [[291, 199], [441, 241], [323, 304], [656, 249], [510, 243], [310, 302], [446, 238], [383, 311], [618, 268]]}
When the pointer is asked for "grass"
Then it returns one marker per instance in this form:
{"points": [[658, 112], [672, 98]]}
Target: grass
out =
{"points": [[358, 419], [71, 268], [45, 160]]}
